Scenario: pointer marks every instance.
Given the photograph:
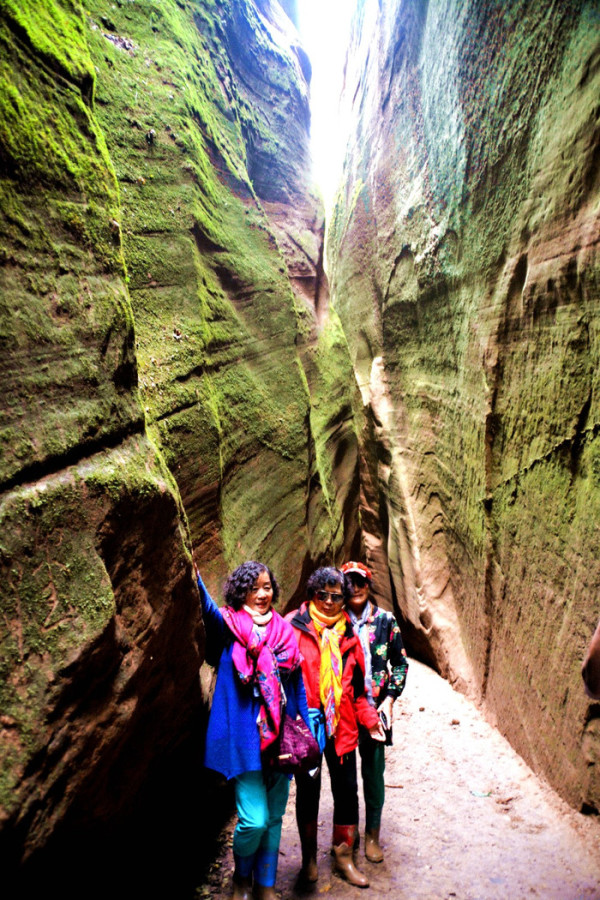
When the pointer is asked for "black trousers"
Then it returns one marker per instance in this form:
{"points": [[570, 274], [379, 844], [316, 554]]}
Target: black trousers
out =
{"points": [[344, 787]]}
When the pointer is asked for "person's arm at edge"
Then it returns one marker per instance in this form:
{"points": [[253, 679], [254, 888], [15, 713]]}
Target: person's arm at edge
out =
{"points": [[398, 661], [213, 622]]}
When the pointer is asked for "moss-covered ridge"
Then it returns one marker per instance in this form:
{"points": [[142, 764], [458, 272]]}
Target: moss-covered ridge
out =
{"points": [[88, 508], [187, 95], [68, 365], [147, 151]]}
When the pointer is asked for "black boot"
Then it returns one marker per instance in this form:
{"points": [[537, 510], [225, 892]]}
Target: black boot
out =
{"points": [[308, 840]]}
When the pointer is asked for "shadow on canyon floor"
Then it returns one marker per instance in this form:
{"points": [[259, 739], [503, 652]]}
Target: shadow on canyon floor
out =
{"points": [[465, 817]]}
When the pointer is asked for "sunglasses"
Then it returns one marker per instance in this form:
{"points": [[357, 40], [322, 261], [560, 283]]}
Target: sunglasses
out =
{"points": [[330, 595], [358, 581]]}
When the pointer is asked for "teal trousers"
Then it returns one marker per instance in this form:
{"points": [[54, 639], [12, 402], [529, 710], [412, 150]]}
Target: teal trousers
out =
{"points": [[261, 800]]}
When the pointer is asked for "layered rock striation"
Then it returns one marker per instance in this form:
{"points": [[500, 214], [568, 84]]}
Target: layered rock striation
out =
{"points": [[164, 330], [464, 268], [177, 384], [206, 117]]}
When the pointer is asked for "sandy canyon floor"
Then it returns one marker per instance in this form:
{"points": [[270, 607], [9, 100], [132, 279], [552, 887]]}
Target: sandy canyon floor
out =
{"points": [[464, 817]]}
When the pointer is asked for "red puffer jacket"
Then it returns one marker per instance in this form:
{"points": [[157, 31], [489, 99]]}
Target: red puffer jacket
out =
{"points": [[354, 706]]}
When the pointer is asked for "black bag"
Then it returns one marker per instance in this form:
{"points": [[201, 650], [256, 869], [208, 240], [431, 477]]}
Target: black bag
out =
{"points": [[296, 749]]}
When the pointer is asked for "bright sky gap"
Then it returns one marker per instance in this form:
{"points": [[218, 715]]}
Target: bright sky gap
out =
{"points": [[324, 27]]}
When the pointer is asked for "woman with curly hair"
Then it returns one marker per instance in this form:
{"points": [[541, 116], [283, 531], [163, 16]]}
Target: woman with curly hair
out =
{"points": [[385, 677], [333, 672], [258, 680]]}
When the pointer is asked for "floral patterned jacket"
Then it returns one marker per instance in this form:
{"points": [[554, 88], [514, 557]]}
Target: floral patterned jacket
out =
{"points": [[388, 657]]}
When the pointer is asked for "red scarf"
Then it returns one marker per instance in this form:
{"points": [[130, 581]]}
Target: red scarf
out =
{"points": [[258, 658]]}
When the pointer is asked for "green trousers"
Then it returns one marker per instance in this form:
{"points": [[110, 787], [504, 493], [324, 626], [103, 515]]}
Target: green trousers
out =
{"points": [[372, 767]]}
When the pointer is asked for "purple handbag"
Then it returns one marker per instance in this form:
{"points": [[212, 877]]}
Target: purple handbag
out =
{"points": [[297, 749]]}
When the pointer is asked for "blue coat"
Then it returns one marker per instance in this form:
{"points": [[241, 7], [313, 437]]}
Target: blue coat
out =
{"points": [[232, 739]]}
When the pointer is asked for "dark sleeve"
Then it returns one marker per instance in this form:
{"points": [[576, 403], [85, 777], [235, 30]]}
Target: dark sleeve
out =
{"points": [[365, 713], [397, 659], [216, 629], [358, 676]]}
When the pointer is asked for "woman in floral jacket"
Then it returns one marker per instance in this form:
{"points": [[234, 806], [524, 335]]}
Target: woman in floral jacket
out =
{"points": [[385, 676]]}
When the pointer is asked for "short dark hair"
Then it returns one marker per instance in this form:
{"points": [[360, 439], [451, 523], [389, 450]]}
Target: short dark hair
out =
{"points": [[327, 576], [242, 580]]}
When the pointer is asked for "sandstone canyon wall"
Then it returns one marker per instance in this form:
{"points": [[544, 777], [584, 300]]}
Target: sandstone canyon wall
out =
{"points": [[164, 328], [464, 267], [177, 385]]}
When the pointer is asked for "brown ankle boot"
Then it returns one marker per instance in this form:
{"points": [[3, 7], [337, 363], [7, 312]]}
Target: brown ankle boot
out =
{"points": [[343, 845], [308, 840], [373, 850]]}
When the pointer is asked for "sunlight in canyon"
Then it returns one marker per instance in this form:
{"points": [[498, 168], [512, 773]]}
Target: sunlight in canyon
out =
{"points": [[324, 28]]}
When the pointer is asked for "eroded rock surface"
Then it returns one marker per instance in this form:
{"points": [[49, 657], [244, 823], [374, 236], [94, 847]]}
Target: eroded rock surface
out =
{"points": [[464, 268], [175, 381], [164, 327], [100, 632], [206, 117]]}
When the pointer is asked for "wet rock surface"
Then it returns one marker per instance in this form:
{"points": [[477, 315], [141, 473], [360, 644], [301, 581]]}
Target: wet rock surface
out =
{"points": [[464, 817]]}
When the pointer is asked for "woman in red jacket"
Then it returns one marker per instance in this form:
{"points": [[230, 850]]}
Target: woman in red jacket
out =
{"points": [[333, 673]]}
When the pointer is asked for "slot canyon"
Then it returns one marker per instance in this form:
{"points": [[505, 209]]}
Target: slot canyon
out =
{"points": [[199, 365]]}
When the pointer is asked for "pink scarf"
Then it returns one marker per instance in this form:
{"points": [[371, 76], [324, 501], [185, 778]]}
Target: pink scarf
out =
{"points": [[257, 660]]}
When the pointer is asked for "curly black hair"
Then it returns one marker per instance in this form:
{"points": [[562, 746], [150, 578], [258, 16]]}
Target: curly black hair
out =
{"points": [[242, 580], [327, 576]]}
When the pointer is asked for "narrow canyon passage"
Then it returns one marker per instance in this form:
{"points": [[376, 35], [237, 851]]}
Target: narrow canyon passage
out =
{"points": [[204, 359], [464, 817]]}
